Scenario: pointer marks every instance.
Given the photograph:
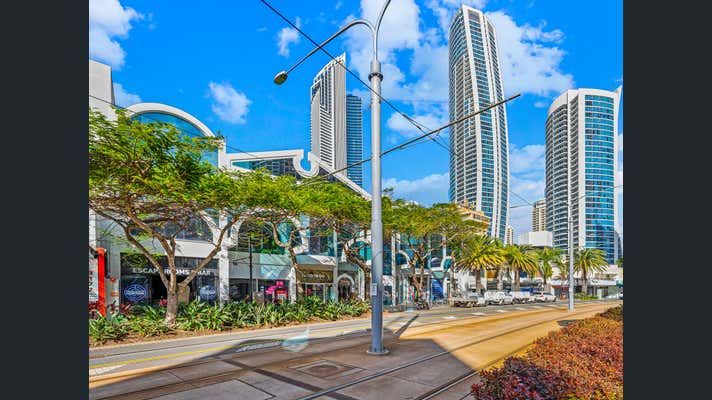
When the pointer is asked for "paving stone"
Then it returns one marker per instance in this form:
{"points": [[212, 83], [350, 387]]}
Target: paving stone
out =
{"points": [[229, 390], [203, 370]]}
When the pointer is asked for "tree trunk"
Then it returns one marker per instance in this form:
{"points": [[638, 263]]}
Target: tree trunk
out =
{"points": [[478, 281], [498, 278], [172, 302], [584, 283], [515, 287]]}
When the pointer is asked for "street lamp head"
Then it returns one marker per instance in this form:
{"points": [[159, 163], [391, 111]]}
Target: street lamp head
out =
{"points": [[280, 77]]}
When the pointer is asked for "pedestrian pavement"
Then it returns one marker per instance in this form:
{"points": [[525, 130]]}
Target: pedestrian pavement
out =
{"points": [[421, 358]]}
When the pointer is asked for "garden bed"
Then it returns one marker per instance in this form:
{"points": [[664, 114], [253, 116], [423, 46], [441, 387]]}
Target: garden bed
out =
{"points": [[143, 324], [581, 361]]}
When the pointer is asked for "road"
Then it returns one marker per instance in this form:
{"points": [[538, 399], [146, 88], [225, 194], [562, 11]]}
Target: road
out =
{"points": [[123, 359]]}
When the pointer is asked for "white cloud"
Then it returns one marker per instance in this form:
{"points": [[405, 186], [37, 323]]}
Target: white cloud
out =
{"points": [[338, 5], [123, 98], [530, 60], [436, 118], [444, 10], [286, 36], [109, 21], [228, 104], [530, 158], [540, 104], [426, 190], [262, 29]]}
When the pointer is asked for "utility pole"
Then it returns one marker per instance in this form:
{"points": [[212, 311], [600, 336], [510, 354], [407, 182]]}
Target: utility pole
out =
{"points": [[249, 245]]}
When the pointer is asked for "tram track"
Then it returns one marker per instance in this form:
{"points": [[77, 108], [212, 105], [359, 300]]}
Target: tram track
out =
{"points": [[331, 391]]}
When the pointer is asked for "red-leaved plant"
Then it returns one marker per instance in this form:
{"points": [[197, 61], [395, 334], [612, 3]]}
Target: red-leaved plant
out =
{"points": [[583, 361]]}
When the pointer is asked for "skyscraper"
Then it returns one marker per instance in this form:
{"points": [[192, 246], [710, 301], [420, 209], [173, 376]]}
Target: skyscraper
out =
{"points": [[581, 163], [479, 173], [354, 138], [539, 216], [328, 114], [509, 235]]}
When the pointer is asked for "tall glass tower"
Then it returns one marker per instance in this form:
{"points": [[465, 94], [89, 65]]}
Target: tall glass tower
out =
{"points": [[354, 138], [479, 174], [328, 114], [581, 164]]}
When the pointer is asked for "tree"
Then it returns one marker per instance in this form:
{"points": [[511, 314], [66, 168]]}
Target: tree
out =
{"points": [[588, 260], [282, 204], [549, 257], [477, 253], [423, 230], [520, 258], [346, 215], [152, 181]]}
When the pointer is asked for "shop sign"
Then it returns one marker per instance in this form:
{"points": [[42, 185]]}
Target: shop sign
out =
{"points": [[135, 292], [179, 271], [316, 276], [207, 292], [93, 279]]}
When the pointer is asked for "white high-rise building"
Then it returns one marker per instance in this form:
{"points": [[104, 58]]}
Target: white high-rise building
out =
{"points": [[581, 164], [539, 216], [509, 235], [328, 114], [479, 173]]}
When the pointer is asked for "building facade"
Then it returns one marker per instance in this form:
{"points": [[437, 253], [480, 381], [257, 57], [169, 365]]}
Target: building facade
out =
{"points": [[509, 235], [354, 138], [581, 163], [538, 239], [328, 114], [539, 216], [479, 171]]}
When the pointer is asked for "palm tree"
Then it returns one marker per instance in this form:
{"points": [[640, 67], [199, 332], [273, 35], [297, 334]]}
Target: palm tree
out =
{"points": [[475, 254], [498, 267], [519, 258], [548, 258], [589, 260]]}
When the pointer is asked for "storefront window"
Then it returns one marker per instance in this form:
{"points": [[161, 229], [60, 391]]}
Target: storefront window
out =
{"points": [[141, 283]]}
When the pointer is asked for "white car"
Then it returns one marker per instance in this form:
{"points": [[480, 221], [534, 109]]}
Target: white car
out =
{"points": [[543, 297], [498, 297], [473, 299], [521, 297]]}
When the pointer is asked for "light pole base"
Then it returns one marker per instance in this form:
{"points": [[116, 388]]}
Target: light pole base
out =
{"points": [[383, 352]]}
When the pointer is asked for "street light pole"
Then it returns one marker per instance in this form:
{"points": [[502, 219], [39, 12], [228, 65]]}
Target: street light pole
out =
{"points": [[375, 78]]}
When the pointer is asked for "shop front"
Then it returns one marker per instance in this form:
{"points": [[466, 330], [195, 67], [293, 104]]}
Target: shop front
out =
{"points": [[318, 282], [271, 277], [141, 284]]}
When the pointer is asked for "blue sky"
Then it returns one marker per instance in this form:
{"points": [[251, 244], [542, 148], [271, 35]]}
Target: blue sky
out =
{"points": [[216, 60]]}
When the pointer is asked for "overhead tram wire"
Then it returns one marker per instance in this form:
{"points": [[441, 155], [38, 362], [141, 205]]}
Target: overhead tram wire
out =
{"points": [[420, 137], [404, 115]]}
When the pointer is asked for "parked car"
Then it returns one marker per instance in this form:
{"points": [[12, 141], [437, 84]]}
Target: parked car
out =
{"points": [[543, 297], [472, 299], [521, 297], [620, 295], [498, 297]]}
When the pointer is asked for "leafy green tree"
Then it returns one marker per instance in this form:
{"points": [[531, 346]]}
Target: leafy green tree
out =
{"points": [[548, 258], [423, 230], [346, 215], [586, 261], [153, 182], [477, 253], [520, 258]]}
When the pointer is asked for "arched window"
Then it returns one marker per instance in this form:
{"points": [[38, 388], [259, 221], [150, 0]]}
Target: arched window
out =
{"points": [[182, 125]]}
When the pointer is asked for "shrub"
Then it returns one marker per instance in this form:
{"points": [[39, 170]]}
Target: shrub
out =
{"points": [[198, 315], [520, 379], [615, 313], [147, 327], [111, 327], [583, 360], [581, 296]]}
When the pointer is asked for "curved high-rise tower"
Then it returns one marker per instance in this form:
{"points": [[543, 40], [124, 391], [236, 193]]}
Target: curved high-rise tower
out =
{"points": [[479, 174], [581, 165]]}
